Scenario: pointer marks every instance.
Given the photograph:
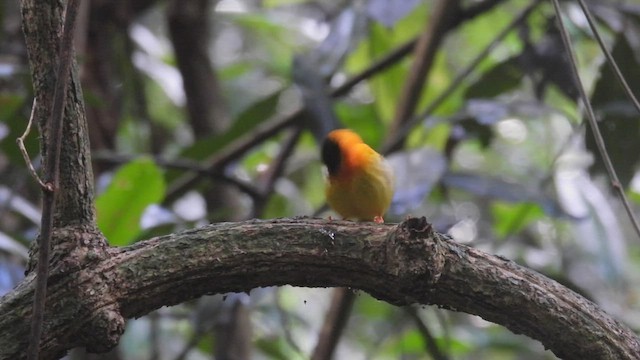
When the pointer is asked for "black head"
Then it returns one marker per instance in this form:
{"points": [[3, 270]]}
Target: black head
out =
{"points": [[331, 156]]}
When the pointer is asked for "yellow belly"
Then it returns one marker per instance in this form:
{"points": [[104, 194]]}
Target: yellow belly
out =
{"points": [[364, 196]]}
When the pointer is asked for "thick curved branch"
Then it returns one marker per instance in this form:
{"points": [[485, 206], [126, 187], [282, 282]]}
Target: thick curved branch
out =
{"points": [[93, 288]]}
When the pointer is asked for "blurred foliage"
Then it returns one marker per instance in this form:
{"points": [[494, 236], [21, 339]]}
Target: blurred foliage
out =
{"points": [[617, 114], [503, 163], [132, 189]]}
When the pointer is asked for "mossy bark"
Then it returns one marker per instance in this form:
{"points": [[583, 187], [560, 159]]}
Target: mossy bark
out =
{"points": [[93, 290], [42, 27]]}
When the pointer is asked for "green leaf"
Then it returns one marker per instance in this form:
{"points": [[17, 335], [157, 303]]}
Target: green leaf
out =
{"points": [[373, 309], [276, 348], [162, 110], [388, 85], [206, 344], [409, 342], [512, 218], [135, 186], [245, 122], [235, 70], [437, 136], [498, 80], [362, 119], [280, 3], [634, 196], [277, 206], [275, 38]]}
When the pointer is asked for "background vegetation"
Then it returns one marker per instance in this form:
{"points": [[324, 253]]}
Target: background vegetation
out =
{"points": [[204, 111]]}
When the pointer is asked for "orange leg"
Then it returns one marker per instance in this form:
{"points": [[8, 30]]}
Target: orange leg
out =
{"points": [[378, 219]]}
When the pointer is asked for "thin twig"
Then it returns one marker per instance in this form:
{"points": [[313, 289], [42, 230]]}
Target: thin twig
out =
{"points": [[182, 164], [193, 342], [405, 49], [402, 133], [232, 152], [478, 8], [285, 323], [602, 149], [425, 52], [23, 149], [335, 322], [154, 335], [275, 170], [391, 58], [52, 175], [429, 341], [607, 53]]}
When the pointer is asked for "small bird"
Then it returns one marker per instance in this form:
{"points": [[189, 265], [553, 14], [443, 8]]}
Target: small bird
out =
{"points": [[360, 181]]}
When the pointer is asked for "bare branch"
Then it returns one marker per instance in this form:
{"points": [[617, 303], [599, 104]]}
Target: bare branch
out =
{"points": [[275, 170], [400, 264], [183, 164], [440, 22]]}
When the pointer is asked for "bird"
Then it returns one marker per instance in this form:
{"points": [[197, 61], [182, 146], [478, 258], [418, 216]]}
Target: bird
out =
{"points": [[360, 182]]}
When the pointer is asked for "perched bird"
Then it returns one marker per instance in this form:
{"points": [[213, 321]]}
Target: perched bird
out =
{"points": [[360, 181]]}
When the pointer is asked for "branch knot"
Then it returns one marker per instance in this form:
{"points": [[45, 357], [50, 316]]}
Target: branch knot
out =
{"points": [[72, 248], [104, 329], [89, 298], [414, 252]]}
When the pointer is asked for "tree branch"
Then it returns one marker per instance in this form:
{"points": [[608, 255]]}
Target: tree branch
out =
{"points": [[189, 30], [335, 321], [183, 164], [401, 264], [395, 141], [275, 170], [430, 343], [441, 20]]}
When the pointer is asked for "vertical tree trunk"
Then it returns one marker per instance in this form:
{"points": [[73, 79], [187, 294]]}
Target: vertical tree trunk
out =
{"points": [[42, 26]]}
